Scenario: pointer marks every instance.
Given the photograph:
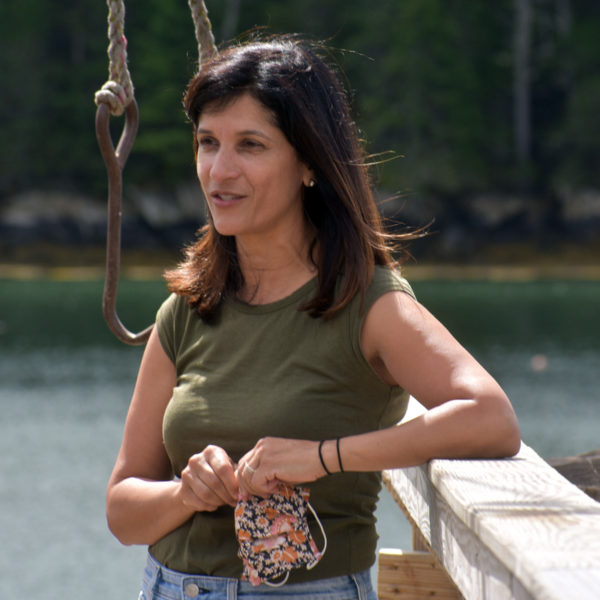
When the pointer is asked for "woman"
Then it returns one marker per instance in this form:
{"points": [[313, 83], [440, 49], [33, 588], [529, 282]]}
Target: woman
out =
{"points": [[290, 345]]}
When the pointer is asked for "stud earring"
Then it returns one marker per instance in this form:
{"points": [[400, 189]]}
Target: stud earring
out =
{"points": [[311, 182]]}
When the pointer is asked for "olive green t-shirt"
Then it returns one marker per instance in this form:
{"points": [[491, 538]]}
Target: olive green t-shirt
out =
{"points": [[272, 370]]}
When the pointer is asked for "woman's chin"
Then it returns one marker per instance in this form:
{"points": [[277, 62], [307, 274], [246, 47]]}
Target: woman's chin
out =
{"points": [[227, 227], [228, 231]]}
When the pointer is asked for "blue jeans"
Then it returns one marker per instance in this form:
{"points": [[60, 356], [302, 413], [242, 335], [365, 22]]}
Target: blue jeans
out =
{"points": [[161, 583]]}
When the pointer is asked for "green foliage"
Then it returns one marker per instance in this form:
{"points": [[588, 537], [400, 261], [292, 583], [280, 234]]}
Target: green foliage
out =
{"points": [[163, 56], [437, 99], [431, 81], [575, 137]]}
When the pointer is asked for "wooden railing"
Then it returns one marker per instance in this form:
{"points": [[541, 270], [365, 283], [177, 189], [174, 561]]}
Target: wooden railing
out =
{"points": [[499, 529]]}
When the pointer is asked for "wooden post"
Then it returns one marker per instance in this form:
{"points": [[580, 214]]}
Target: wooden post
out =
{"points": [[413, 576], [418, 541]]}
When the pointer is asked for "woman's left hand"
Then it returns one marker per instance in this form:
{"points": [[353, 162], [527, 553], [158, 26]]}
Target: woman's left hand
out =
{"points": [[277, 460]]}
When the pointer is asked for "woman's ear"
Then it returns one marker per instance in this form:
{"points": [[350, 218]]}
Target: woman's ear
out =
{"points": [[309, 179]]}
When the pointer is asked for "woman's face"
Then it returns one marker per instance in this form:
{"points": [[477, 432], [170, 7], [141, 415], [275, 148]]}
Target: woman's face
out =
{"points": [[249, 172]]}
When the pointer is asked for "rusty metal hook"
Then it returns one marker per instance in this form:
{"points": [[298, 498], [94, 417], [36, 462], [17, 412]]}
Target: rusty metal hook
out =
{"points": [[115, 163]]}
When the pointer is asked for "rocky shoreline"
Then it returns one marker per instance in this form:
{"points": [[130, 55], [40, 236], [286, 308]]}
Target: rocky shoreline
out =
{"points": [[482, 229]]}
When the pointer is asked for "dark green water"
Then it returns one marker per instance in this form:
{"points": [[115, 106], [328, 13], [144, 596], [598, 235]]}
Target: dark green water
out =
{"points": [[65, 385]]}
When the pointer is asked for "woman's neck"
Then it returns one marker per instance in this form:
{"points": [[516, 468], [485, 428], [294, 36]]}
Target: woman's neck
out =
{"points": [[273, 270]]}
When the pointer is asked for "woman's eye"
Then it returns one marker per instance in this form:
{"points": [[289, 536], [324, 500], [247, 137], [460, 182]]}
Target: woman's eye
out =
{"points": [[251, 145], [207, 142]]}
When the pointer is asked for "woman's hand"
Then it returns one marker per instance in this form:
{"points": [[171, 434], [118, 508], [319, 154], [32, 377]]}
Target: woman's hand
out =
{"points": [[277, 460], [209, 480]]}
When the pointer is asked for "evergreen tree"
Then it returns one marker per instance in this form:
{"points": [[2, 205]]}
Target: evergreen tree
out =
{"points": [[431, 81]]}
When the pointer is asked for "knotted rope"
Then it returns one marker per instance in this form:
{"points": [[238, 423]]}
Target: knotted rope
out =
{"points": [[117, 92]]}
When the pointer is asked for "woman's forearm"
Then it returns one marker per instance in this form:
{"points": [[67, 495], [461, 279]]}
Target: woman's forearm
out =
{"points": [[141, 511], [456, 429]]}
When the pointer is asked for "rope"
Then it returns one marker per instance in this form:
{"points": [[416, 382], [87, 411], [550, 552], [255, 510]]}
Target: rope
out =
{"points": [[204, 35], [117, 92], [116, 97]]}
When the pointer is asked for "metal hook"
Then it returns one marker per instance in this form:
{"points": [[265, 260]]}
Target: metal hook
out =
{"points": [[115, 162]]}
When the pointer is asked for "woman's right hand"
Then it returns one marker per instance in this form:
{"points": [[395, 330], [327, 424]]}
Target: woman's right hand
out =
{"points": [[209, 480]]}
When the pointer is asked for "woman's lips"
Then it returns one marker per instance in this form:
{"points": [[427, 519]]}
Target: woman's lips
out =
{"points": [[225, 198]]}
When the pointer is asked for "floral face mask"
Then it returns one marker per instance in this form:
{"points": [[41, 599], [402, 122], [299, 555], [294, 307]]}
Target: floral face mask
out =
{"points": [[274, 537]]}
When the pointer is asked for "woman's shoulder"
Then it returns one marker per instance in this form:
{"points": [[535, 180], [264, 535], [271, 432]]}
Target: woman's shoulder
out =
{"points": [[173, 313], [170, 307], [173, 319], [174, 304], [387, 279]]}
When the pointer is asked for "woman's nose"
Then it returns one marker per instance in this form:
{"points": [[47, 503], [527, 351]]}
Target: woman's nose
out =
{"points": [[224, 165]]}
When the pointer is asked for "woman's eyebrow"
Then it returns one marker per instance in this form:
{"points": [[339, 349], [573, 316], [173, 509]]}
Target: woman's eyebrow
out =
{"points": [[257, 132], [254, 132]]}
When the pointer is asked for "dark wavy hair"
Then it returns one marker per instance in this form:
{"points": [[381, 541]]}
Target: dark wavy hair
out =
{"points": [[290, 77]]}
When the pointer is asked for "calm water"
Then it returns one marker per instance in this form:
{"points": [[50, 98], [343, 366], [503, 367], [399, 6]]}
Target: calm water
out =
{"points": [[65, 385]]}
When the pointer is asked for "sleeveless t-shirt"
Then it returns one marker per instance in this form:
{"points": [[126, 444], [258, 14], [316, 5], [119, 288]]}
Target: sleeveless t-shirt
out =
{"points": [[272, 370]]}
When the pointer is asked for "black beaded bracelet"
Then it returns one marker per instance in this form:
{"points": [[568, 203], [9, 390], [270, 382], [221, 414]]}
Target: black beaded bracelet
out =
{"points": [[337, 446], [321, 457]]}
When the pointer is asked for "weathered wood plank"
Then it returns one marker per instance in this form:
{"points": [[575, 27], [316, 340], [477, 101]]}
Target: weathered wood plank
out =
{"points": [[511, 528], [413, 576]]}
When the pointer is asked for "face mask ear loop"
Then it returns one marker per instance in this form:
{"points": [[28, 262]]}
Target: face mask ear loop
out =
{"points": [[279, 583], [314, 564]]}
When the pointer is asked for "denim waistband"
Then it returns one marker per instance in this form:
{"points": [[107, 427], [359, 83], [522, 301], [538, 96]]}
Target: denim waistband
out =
{"points": [[161, 582]]}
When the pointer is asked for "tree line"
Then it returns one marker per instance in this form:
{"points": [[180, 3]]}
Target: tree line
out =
{"points": [[467, 96]]}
